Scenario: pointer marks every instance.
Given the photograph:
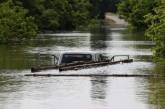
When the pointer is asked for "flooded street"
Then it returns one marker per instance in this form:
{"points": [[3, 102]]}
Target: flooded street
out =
{"points": [[20, 92]]}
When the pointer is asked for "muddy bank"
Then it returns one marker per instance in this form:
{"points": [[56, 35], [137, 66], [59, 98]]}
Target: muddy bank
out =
{"points": [[114, 20]]}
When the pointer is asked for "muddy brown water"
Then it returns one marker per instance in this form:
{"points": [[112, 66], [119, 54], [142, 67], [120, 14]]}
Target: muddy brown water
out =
{"points": [[20, 92]]}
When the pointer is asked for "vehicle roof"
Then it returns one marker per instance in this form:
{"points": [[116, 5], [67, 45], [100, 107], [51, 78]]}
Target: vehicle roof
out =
{"points": [[78, 52]]}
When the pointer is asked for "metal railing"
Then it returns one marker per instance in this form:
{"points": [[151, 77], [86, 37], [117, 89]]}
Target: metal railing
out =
{"points": [[113, 57]]}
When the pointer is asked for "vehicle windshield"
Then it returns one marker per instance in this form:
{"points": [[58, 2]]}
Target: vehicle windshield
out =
{"points": [[70, 58]]}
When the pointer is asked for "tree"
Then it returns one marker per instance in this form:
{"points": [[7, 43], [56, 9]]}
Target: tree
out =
{"points": [[133, 11], [156, 28], [14, 23], [58, 14]]}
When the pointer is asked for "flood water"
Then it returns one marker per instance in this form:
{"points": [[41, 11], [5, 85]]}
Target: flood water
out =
{"points": [[20, 92]]}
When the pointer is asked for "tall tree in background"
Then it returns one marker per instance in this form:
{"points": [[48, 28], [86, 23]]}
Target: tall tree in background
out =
{"points": [[156, 28], [148, 16], [66, 14], [14, 23], [20, 18], [134, 11], [58, 14]]}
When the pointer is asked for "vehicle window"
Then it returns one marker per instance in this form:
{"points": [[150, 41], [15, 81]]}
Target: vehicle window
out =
{"points": [[69, 58]]}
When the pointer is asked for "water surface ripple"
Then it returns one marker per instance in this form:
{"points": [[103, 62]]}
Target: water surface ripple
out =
{"points": [[20, 92]]}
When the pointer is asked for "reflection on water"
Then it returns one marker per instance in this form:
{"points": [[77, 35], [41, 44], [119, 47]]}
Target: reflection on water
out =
{"points": [[98, 90], [11, 56], [20, 92], [157, 92], [98, 40]]}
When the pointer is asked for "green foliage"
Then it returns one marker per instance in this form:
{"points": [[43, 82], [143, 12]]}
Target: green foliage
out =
{"points": [[14, 24], [80, 13], [59, 14], [19, 17], [66, 14], [147, 15], [94, 25], [133, 11], [156, 30]]}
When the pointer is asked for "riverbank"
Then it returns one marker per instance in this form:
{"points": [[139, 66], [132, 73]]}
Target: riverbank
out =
{"points": [[114, 20]]}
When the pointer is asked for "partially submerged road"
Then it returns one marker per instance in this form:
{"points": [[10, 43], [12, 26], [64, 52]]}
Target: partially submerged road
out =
{"points": [[114, 20]]}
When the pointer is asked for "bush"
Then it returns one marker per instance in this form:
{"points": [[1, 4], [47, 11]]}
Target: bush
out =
{"points": [[156, 28], [134, 11], [15, 24]]}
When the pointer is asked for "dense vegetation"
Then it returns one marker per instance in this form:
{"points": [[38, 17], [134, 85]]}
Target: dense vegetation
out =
{"points": [[148, 16], [23, 19], [134, 11], [14, 24], [58, 14], [156, 28]]}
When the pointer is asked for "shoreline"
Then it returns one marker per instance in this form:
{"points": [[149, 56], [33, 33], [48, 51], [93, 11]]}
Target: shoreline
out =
{"points": [[114, 20]]}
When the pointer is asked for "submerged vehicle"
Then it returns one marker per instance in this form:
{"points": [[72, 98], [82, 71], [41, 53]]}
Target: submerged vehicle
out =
{"points": [[76, 57], [80, 60]]}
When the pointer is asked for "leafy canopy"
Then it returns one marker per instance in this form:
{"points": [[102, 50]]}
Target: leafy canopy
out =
{"points": [[14, 23]]}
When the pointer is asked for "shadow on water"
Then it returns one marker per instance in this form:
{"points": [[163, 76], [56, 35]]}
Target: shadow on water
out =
{"points": [[151, 91], [13, 57], [98, 39], [156, 94]]}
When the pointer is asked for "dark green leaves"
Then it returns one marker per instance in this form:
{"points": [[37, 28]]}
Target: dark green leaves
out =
{"points": [[156, 28], [14, 24], [148, 16]]}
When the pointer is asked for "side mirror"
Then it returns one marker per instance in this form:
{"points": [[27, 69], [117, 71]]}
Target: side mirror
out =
{"points": [[55, 59], [102, 57]]}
